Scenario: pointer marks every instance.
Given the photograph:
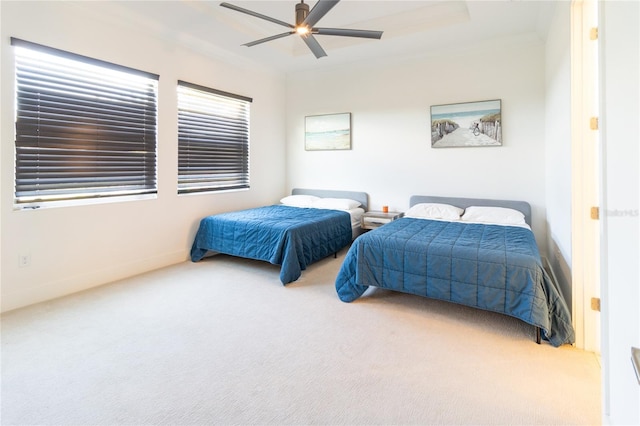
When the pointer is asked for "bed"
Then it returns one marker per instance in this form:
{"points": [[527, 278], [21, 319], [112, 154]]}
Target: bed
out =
{"points": [[305, 227], [494, 267]]}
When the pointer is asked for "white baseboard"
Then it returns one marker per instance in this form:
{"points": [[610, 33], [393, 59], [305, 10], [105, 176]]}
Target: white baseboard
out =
{"points": [[64, 287]]}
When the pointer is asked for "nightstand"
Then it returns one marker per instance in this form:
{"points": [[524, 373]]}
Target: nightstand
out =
{"points": [[373, 219]]}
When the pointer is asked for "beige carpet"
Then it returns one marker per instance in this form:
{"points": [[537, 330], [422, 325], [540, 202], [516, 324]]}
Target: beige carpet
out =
{"points": [[223, 342]]}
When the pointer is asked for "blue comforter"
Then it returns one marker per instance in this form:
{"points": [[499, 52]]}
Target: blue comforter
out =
{"points": [[288, 236], [491, 267]]}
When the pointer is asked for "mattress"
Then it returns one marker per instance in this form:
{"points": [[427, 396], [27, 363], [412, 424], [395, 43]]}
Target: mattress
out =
{"points": [[291, 237], [491, 267]]}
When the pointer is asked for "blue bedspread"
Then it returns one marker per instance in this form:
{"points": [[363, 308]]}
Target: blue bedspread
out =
{"points": [[288, 236], [491, 267]]}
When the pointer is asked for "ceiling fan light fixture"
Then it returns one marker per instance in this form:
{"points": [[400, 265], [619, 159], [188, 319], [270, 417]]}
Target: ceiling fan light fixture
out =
{"points": [[303, 30]]}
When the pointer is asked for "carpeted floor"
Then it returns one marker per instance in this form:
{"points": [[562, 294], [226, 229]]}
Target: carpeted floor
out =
{"points": [[223, 342]]}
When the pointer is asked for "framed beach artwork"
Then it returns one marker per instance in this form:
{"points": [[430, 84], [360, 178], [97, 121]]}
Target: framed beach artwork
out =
{"points": [[467, 124], [327, 132]]}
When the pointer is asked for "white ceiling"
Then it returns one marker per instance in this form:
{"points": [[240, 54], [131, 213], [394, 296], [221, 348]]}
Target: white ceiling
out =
{"points": [[410, 27]]}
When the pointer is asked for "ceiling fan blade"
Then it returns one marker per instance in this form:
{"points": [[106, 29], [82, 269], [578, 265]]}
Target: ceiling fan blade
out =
{"points": [[314, 45], [319, 10], [256, 14], [347, 32], [262, 40]]}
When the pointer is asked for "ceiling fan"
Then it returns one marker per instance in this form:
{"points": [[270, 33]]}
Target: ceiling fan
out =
{"points": [[305, 21]]}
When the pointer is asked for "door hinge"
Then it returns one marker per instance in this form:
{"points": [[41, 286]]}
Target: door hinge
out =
{"points": [[593, 33], [595, 304], [593, 123], [595, 213]]}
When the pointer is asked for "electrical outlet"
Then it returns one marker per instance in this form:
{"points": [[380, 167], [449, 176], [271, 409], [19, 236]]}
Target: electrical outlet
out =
{"points": [[24, 260]]}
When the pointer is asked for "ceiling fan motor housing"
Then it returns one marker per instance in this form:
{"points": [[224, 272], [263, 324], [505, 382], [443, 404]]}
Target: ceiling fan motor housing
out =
{"points": [[302, 10]]}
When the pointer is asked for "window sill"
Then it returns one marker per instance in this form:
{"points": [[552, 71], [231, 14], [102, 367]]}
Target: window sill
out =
{"points": [[38, 205]]}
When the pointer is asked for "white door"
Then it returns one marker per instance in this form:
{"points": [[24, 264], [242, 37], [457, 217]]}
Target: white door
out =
{"points": [[620, 129]]}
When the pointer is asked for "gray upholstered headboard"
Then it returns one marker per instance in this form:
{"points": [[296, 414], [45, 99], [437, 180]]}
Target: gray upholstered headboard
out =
{"points": [[362, 197], [463, 203]]}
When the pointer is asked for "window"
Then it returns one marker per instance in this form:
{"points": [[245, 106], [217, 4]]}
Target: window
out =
{"points": [[84, 128], [213, 139]]}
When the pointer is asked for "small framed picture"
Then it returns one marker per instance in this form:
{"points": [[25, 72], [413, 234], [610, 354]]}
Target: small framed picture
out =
{"points": [[466, 124], [327, 132]]}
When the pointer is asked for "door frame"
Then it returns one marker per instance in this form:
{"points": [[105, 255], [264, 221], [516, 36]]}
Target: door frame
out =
{"points": [[585, 175]]}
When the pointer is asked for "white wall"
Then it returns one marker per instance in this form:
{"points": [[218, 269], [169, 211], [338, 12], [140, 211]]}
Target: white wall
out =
{"points": [[74, 248], [620, 51], [391, 156], [558, 145]]}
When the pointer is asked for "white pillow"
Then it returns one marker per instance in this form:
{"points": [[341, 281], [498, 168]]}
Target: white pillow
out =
{"points": [[434, 211], [336, 203], [299, 200], [494, 215]]}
